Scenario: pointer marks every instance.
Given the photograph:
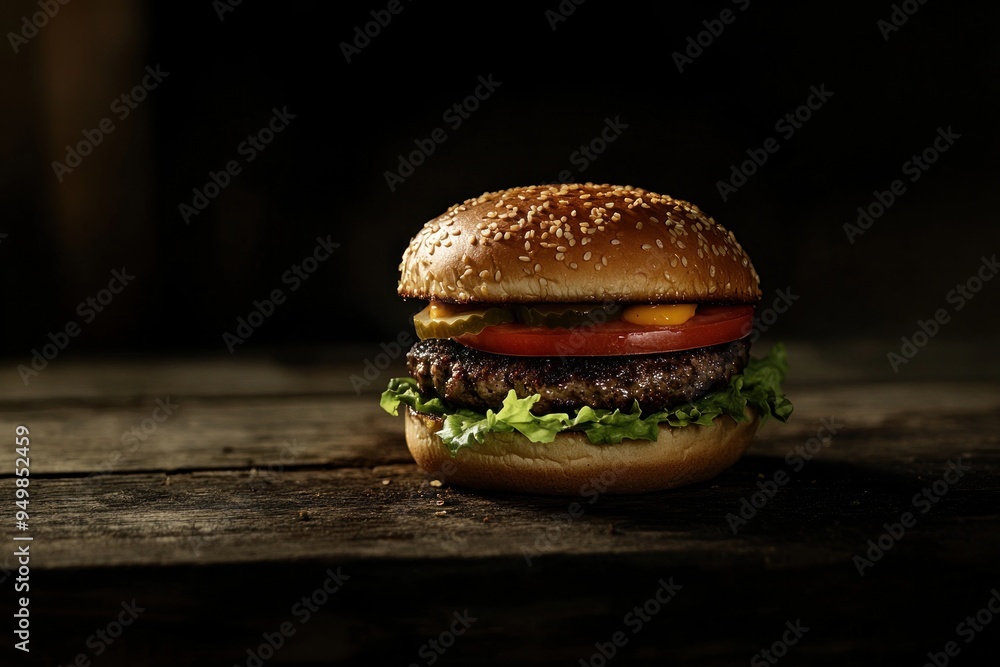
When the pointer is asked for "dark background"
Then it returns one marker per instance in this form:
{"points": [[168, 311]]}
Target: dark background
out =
{"points": [[325, 174]]}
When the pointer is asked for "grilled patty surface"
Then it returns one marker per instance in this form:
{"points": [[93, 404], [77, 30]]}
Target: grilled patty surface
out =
{"points": [[479, 380]]}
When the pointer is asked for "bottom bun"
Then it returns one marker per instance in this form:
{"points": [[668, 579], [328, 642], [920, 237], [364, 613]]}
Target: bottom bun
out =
{"points": [[573, 465]]}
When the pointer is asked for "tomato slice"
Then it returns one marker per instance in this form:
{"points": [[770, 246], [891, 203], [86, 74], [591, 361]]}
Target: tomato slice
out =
{"points": [[711, 325]]}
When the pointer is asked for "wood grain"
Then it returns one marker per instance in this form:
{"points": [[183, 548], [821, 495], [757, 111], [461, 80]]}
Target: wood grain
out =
{"points": [[267, 475]]}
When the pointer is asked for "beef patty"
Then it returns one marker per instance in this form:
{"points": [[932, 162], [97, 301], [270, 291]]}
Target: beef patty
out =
{"points": [[479, 380]]}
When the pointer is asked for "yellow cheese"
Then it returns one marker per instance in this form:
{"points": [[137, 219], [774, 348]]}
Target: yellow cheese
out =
{"points": [[439, 310], [659, 314]]}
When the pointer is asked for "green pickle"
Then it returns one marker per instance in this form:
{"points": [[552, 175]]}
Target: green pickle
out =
{"points": [[566, 315], [453, 326]]}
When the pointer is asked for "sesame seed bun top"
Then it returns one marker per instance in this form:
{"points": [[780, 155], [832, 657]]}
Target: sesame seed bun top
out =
{"points": [[576, 243]]}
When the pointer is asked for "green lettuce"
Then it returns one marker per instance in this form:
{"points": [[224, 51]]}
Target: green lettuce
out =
{"points": [[758, 386]]}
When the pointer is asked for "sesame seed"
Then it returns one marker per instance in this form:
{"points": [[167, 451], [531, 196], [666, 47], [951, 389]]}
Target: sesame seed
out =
{"points": [[506, 236], [498, 236], [638, 225], [538, 267], [543, 282], [615, 242], [684, 261], [497, 276], [659, 244], [587, 255], [646, 246], [574, 265], [604, 260], [711, 270], [524, 258]]}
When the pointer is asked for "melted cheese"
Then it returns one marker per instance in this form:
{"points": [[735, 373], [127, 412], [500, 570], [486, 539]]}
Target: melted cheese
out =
{"points": [[659, 314]]}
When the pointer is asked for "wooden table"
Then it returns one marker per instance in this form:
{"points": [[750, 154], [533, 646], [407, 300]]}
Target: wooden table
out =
{"points": [[272, 478]]}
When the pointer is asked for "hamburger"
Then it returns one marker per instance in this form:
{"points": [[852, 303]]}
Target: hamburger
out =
{"points": [[581, 332]]}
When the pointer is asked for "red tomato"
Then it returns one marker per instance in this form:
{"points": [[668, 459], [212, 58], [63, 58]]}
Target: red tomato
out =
{"points": [[711, 325]]}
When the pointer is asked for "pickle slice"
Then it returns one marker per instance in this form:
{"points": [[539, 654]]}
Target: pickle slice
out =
{"points": [[567, 315], [459, 324]]}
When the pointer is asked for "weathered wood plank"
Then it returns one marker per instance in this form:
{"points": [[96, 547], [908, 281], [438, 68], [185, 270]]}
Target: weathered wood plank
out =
{"points": [[272, 433], [232, 552], [279, 432], [312, 371], [825, 513]]}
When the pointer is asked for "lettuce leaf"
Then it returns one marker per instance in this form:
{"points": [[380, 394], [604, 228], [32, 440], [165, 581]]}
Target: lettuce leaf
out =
{"points": [[758, 386]]}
